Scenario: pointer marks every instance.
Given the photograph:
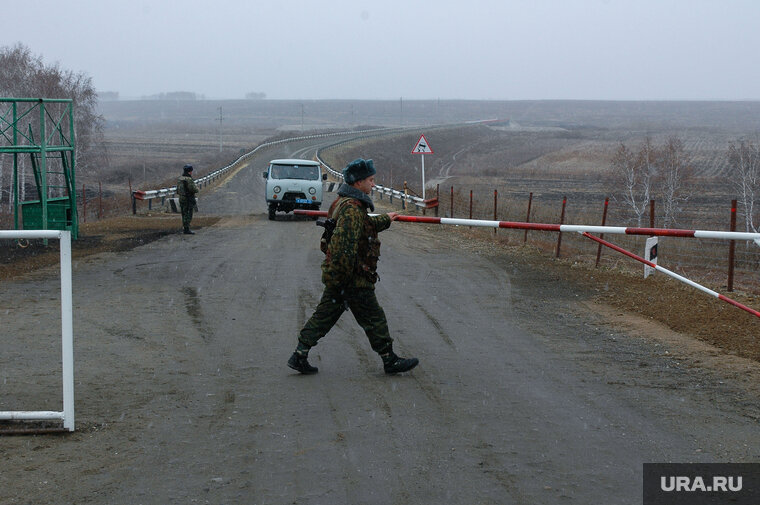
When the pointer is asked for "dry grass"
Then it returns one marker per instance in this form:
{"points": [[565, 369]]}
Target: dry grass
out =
{"points": [[111, 234]]}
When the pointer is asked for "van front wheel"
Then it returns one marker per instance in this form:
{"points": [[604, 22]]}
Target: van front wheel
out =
{"points": [[272, 212]]}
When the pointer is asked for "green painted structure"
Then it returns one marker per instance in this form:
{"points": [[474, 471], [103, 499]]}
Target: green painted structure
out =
{"points": [[43, 130]]}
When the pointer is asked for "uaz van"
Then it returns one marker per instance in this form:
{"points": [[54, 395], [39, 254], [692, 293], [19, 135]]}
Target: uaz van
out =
{"points": [[293, 184]]}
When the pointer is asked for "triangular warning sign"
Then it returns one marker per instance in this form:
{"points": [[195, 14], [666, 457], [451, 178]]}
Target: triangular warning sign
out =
{"points": [[422, 146]]}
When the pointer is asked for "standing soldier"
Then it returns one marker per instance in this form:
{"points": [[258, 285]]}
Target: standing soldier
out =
{"points": [[349, 272], [186, 189]]}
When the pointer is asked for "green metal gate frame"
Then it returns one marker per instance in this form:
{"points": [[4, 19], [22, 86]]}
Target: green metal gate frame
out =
{"points": [[20, 130]]}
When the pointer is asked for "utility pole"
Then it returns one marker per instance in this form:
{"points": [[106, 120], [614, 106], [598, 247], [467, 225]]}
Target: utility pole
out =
{"points": [[301, 118], [401, 111], [220, 129]]}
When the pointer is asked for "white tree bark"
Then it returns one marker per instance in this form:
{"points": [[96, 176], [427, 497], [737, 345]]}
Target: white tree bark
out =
{"points": [[744, 174], [675, 171]]}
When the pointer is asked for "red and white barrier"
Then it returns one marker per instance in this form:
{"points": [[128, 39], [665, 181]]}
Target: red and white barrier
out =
{"points": [[661, 232]]}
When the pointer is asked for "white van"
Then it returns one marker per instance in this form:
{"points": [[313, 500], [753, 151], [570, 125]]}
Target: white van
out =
{"points": [[293, 184]]}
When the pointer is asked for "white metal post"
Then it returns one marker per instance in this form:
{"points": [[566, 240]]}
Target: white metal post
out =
{"points": [[423, 176], [67, 332]]}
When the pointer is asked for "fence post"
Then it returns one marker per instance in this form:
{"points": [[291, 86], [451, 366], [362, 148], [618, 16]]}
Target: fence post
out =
{"points": [[561, 222], [84, 204], [100, 200], [495, 204], [406, 195], [437, 198], [732, 248], [451, 210], [527, 219], [651, 213], [471, 207], [601, 235]]}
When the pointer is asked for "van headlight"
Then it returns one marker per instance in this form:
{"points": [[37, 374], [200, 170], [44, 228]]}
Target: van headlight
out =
{"points": [[312, 191], [277, 189]]}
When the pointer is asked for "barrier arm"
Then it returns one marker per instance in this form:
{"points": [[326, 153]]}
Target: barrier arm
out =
{"points": [[620, 230], [584, 230], [671, 274]]}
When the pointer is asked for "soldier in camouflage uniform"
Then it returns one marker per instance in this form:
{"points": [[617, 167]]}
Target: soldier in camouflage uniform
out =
{"points": [[349, 273], [186, 190]]}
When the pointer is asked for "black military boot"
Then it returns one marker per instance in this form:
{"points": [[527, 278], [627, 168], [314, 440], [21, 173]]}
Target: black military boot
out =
{"points": [[299, 360], [393, 364], [188, 231]]}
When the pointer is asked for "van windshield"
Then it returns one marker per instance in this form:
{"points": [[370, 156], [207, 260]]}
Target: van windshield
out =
{"points": [[306, 172]]}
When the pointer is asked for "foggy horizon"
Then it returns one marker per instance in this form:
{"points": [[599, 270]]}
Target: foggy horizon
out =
{"points": [[507, 50]]}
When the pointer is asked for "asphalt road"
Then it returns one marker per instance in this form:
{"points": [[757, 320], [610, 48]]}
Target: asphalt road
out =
{"points": [[183, 395]]}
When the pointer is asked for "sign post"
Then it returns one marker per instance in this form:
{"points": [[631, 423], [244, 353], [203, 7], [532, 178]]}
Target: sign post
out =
{"points": [[422, 147], [650, 254]]}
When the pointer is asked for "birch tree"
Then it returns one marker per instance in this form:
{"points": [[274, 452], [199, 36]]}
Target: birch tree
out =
{"points": [[674, 173], [744, 175], [25, 75], [634, 173]]}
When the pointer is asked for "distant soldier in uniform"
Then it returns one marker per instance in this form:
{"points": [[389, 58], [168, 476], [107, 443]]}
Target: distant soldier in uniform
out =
{"points": [[349, 273], [186, 189]]}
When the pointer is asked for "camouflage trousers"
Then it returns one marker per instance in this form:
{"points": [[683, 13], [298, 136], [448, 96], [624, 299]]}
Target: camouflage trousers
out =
{"points": [[362, 303], [187, 213]]}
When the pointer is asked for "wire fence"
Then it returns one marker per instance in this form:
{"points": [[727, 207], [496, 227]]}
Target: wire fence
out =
{"points": [[706, 260]]}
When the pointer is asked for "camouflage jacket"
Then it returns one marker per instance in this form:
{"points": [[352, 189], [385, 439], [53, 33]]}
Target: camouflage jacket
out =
{"points": [[186, 188], [351, 259]]}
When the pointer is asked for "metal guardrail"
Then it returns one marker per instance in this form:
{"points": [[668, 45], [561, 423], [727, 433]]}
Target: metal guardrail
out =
{"points": [[383, 190], [205, 180]]}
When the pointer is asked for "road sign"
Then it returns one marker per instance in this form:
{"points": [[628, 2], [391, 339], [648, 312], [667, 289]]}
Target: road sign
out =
{"points": [[422, 146]]}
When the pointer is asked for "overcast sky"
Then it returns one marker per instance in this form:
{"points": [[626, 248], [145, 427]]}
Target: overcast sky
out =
{"points": [[411, 49]]}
